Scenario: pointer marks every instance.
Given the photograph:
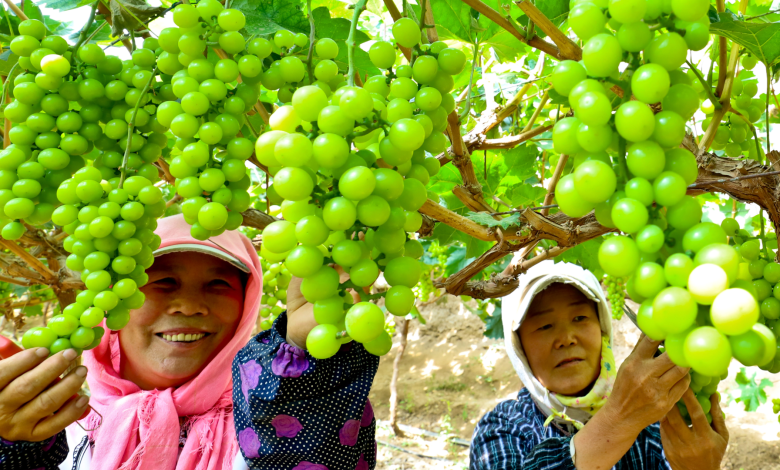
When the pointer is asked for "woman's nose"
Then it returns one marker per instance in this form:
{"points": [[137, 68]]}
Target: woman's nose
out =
{"points": [[188, 304], [566, 337]]}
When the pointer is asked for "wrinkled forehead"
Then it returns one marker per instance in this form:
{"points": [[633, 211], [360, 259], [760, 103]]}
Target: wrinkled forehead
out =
{"points": [[556, 296]]}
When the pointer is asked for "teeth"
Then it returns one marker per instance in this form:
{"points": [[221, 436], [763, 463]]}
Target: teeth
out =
{"points": [[184, 338]]}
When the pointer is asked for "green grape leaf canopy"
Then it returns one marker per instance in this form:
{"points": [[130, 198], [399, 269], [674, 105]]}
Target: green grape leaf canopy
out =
{"points": [[269, 16], [761, 39]]}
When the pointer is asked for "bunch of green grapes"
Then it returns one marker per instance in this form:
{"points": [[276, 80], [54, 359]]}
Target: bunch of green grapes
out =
{"points": [[355, 161], [276, 278], [714, 305], [616, 295], [734, 135], [39, 158], [703, 387], [695, 288], [206, 111], [109, 215]]}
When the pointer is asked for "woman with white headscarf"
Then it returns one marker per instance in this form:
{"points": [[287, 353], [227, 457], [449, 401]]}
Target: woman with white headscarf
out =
{"points": [[577, 411]]}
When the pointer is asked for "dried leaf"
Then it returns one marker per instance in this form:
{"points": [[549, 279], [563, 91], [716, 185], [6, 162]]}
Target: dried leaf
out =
{"points": [[131, 15]]}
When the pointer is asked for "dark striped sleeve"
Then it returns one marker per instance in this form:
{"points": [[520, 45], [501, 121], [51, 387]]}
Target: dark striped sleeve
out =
{"points": [[512, 436], [650, 440]]}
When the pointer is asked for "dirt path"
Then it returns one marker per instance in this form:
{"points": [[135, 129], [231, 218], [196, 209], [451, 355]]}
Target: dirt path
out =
{"points": [[451, 375]]}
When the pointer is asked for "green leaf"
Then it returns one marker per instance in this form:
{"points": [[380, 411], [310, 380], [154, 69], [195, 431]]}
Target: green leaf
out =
{"points": [[507, 47], [64, 5], [453, 19], [506, 169], [494, 327], [338, 30], [527, 195], [33, 310], [752, 394], [761, 39], [269, 16], [556, 10], [482, 218]]}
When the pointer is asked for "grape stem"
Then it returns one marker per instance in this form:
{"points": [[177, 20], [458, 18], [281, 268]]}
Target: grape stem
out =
{"points": [[768, 92], [311, 41], [360, 6], [5, 85], [85, 30], [474, 58], [622, 159], [18, 12], [715, 102], [131, 127]]}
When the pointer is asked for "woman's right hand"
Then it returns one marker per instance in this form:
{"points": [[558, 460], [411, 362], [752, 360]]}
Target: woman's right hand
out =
{"points": [[34, 405], [646, 387]]}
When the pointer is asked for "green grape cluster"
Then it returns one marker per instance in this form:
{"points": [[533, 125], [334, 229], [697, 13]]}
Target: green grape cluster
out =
{"points": [[206, 111], [351, 161], [711, 299], [776, 407], [110, 228], [616, 295], [703, 387], [695, 289], [734, 135], [276, 278]]}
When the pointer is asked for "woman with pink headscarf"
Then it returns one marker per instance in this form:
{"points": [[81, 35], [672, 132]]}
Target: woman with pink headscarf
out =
{"points": [[161, 389]]}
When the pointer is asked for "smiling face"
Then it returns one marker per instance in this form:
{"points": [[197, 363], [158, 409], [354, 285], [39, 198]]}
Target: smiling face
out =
{"points": [[188, 295], [561, 337]]}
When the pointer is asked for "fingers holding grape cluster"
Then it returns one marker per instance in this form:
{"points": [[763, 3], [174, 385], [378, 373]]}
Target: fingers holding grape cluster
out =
{"points": [[352, 159]]}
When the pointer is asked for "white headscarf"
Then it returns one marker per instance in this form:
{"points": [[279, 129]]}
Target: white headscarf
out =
{"points": [[514, 308]]}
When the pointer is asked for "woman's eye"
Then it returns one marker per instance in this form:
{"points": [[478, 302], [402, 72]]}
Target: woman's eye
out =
{"points": [[166, 281], [220, 283], [580, 318], [545, 327]]}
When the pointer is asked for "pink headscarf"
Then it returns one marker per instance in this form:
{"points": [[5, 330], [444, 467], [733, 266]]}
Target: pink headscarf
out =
{"points": [[140, 429]]}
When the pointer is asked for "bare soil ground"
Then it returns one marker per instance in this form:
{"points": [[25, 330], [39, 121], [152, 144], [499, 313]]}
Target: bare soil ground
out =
{"points": [[451, 375]]}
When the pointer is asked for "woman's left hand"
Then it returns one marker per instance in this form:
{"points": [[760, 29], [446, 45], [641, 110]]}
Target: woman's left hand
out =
{"points": [[699, 447]]}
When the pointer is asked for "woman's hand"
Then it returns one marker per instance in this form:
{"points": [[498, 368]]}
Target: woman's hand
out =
{"points": [[34, 404], [646, 387], [300, 313], [700, 447]]}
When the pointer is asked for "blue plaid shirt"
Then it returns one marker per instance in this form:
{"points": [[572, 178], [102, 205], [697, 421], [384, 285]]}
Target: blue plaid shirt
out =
{"points": [[513, 436]]}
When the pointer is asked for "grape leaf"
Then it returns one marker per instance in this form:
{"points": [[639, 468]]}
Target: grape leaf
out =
{"points": [[761, 39], [482, 218], [752, 394], [506, 169], [268, 16], [338, 30], [494, 327], [556, 10], [63, 5], [33, 310], [453, 19], [526, 195]]}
